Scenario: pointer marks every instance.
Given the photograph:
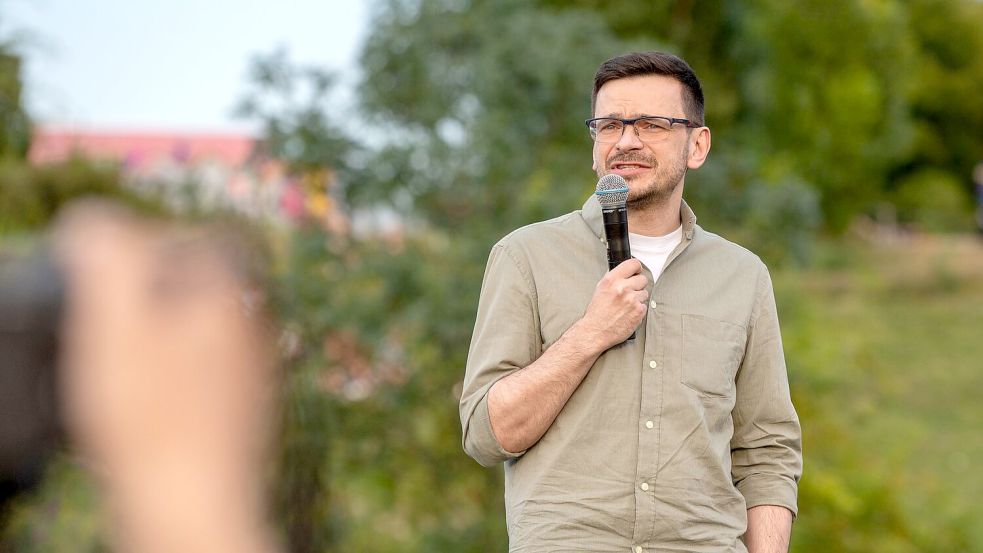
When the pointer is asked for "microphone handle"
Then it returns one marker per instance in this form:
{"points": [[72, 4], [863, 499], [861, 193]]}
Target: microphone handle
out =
{"points": [[616, 232]]}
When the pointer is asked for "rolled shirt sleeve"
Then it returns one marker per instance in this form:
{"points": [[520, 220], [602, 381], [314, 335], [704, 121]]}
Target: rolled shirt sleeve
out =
{"points": [[766, 448], [506, 338]]}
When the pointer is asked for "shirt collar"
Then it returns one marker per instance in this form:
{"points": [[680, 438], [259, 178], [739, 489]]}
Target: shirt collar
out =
{"points": [[591, 212]]}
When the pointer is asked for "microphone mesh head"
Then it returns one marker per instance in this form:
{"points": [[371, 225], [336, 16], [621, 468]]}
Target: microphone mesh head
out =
{"points": [[612, 191]]}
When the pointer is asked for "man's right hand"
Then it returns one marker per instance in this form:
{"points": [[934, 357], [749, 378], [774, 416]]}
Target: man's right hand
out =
{"points": [[523, 405], [617, 307]]}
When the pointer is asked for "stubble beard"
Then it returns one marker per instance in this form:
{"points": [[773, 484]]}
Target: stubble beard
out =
{"points": [[661, 186], [656, 192]]}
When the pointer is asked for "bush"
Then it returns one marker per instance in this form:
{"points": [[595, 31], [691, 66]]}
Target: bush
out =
{"points": [[30, 196], [934, 200], [782, 220]]}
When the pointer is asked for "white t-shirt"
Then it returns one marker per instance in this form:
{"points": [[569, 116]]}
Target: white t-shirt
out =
{"points": [[654, 250]]}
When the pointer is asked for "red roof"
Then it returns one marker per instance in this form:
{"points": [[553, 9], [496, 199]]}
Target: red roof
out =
{"points": [[52, 145]]}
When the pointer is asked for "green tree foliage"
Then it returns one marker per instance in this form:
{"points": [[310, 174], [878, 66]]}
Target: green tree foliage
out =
{"points": [[31, 196], [478, 133], [15, 128], [290, 102], [372, 458], [846, 96], [944, 95], [821, 100]]}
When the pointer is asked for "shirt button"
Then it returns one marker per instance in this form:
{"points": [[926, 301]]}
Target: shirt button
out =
{"points": [[645, 487], [653, 305], [649, 424], [653, 364]]}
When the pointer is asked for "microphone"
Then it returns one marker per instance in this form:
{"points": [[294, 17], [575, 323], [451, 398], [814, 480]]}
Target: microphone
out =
{"points": [[612, 193]]}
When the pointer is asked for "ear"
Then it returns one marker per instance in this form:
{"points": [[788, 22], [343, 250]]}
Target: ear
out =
{"points": [[699, 147]]}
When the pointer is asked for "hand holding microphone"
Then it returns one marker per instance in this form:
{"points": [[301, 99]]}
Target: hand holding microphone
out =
{"points": [[618, 305]]}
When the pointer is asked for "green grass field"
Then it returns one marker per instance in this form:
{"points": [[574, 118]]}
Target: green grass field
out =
{"points": [[884, 344]]}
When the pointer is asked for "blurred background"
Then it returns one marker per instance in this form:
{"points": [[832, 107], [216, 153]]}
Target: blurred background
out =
{"points": [[380, 151]]}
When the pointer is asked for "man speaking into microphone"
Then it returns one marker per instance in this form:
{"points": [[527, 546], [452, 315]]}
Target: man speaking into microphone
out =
{"points": [[681, 439]]}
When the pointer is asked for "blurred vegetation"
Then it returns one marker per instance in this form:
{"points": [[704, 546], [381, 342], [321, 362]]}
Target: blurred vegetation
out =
{"points": [[470, 123], [15, 129], [883, 361]]}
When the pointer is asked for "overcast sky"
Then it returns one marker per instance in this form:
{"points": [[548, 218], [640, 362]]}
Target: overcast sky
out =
{"points": [[167, 64]]}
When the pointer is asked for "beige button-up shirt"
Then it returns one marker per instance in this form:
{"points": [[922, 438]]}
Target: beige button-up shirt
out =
{"points": [[670, 437]]}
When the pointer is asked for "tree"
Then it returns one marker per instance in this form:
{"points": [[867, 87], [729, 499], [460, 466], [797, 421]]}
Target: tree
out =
{"points": [[15, 135]]}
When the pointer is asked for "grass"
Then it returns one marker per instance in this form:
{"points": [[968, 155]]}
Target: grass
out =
{"points": [[884, 343]]}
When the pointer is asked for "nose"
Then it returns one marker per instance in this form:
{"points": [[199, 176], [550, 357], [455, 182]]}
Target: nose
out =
{"points": [[629, 140]]}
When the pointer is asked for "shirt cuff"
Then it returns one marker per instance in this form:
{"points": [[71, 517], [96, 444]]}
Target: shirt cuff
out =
{"points": [[770, 489], [481, 442]]}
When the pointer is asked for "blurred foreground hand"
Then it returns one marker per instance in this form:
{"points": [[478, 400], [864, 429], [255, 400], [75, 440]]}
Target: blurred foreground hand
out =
{"points": [[169, 380]]}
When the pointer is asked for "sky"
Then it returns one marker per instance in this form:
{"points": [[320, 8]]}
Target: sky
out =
{"points": [[173, 65]]}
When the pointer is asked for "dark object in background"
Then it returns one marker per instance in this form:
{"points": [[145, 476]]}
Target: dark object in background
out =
{"points": [[31, 298], [978, 189]]}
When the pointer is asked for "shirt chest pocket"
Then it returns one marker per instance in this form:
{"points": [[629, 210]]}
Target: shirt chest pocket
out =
{"points": [[711, 353]]}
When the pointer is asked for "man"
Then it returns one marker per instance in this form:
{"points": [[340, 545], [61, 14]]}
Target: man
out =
{"points": [[683, 439]]}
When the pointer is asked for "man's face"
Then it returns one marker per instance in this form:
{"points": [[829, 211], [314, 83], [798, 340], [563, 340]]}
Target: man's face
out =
{"points": [[653, 170]]}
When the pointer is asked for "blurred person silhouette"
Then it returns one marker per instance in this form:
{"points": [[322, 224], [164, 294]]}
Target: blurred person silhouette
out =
{"points": [[166, 377]]}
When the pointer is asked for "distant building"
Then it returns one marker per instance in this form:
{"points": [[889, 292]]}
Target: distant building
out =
{"points": [[203, 169], [140, 149]]}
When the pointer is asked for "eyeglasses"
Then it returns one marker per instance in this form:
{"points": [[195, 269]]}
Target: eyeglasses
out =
{"points": [[648, 128]]}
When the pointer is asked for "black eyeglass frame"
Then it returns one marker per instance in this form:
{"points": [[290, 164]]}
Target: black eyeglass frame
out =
{"points": [[626, 122]]}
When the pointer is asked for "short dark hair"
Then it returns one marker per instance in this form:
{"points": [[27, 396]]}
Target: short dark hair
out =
{"points": [[637, 64]]}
